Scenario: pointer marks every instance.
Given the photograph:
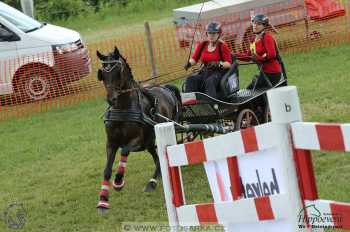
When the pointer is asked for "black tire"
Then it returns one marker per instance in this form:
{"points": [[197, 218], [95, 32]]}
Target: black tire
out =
{"points": [[246, 118], [37, 83]]}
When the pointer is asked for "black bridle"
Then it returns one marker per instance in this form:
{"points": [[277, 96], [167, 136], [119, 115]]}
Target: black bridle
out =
{"points": [[111, 65], [116, 63]]}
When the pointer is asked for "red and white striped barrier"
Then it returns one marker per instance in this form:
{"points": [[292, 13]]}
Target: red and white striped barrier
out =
{"points": [[326, 137], [321, 136], [244, 161], [242, 211], [216, 148]]}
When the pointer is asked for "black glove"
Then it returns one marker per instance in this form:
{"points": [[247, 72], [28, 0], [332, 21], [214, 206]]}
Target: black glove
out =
{"points": [[187, 66], [214, 65], [254, 59]]}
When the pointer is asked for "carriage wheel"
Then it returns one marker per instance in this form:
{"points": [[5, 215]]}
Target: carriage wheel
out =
{"points": [[246, 118], [267, 114], [191, 136], [187, 137]]}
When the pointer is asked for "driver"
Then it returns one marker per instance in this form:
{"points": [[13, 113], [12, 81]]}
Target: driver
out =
{"points": [[216, 58], [264, 52]]}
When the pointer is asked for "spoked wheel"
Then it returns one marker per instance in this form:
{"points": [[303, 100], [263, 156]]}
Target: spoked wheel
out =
{"points": [[188, 137], [267, 114], [246, 118], [191, 136]]}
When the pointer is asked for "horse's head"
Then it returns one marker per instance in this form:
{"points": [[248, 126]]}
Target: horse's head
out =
{"points": [[115, 73]]}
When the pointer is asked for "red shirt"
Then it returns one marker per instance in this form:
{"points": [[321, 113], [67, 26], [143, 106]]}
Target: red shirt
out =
{"points": [[207, 56], [266, 53]]}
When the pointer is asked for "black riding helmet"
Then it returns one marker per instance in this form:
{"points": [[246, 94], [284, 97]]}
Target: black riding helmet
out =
{"points": [[261, 18], [213, 27]]}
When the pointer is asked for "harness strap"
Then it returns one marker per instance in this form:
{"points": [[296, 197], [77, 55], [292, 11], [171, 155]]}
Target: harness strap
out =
{"points": [[153, 99], [118, 115]]}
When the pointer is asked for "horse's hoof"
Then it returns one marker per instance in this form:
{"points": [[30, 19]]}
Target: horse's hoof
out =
{"points": [[118, 187], [102, 210], [151, 186], [102, 206]]}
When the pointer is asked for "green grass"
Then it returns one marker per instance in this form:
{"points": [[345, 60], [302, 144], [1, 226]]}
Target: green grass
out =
{"points": [[53, 162]]}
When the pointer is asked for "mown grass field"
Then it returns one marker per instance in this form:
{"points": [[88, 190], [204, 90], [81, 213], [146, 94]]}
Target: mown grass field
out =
{"points": [[116, 20], [52, 162]]}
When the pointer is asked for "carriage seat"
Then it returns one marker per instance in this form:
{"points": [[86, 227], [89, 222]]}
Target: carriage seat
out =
{"points": [[229, 83]]}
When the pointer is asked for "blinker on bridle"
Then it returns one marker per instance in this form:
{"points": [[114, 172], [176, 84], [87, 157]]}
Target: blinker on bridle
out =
{"points": [[110, 68]]}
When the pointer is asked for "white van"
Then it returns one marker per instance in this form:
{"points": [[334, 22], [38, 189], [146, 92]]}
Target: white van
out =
{"points": [[37, 59]]}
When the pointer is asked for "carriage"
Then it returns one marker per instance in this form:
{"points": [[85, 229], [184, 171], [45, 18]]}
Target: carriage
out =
{"points": [[235, 109], [134, 110]]}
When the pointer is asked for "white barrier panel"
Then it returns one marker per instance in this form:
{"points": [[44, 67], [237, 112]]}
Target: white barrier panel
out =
{"points": [[220, 147], [241, 211], [262, 165], [265, 169], [166, 131], [284, 104], [320, 136], [253, 173]]}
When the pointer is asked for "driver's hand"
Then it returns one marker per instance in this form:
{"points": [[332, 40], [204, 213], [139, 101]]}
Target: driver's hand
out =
{"points": [[187, 66], [213, 65], [254, 58]]}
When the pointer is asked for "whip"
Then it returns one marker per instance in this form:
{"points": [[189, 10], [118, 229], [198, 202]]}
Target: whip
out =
{"points": [[194, 33]]}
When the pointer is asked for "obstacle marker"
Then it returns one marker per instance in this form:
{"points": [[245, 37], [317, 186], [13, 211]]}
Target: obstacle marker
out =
{"points": [[261, 178]]}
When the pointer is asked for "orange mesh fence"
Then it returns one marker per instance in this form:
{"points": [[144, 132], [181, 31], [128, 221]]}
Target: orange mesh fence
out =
{"points": [[57, 77], [300, 24]]}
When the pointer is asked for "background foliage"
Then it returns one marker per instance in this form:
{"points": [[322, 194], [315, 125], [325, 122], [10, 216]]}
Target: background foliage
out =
{"points": [[51, 10]]}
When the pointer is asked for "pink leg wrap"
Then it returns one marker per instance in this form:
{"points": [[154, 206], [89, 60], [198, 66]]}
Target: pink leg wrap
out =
{"points": [[104, 192], [122, 164], [104, 188]]}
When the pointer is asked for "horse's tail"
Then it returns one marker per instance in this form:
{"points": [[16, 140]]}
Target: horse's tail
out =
{"points": [[177, 94]]}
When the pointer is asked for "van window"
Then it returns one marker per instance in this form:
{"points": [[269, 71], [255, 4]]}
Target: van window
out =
{"points": [[4, 33], [17, 18]]}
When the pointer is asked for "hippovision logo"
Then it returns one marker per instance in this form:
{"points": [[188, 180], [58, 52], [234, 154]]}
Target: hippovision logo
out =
{"points": [[15, 216], [313, 217]]}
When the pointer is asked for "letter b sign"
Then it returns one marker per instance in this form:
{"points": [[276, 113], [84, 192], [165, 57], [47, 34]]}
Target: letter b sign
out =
{"points": [[284, 104]]}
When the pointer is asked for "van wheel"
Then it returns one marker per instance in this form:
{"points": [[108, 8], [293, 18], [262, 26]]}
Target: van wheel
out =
{"points": [[35, 85]]}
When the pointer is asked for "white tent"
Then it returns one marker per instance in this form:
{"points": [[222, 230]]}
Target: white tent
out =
{"points": [[219, 8]]}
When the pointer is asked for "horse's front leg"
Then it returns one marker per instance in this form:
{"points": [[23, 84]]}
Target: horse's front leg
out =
{"points": [[111, 149], [119, 182], [152, 183]]}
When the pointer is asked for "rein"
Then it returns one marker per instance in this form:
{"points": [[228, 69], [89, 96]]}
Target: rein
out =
{"points": [[122, 91]]}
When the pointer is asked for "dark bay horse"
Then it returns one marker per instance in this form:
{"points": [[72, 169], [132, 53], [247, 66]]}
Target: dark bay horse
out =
{"points": [[130, 119]]}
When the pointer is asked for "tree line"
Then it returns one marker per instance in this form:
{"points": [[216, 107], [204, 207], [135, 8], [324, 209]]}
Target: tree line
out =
{"points": [[50, 10]]}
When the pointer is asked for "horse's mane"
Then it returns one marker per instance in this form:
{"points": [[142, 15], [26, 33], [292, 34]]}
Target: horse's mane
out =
{"points": [[127, 66]]}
